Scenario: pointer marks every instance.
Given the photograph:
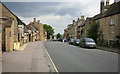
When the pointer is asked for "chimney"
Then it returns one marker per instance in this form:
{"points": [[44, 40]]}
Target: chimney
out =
{"points": [[38, 21], [102, 5], [82, 17], [34, 20], [73, 21], [30, 24], [107, 2], [78, 19]]}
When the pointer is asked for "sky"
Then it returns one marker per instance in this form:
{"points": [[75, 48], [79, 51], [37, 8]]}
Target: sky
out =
{"points": [[58, 14]]}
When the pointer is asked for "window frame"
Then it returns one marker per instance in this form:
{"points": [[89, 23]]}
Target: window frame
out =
{"points": [[112, 21]]}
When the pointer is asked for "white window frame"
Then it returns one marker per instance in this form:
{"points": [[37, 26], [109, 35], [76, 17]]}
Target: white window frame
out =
{"points": [[112, 21]]}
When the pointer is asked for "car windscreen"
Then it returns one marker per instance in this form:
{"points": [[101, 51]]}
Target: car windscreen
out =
{"points": [[89, 40]]}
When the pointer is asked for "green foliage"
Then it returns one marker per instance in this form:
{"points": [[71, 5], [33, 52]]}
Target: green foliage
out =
{"points": [[92, 32], [102, 43], [36, 39], [58, 35], [49, 29]]}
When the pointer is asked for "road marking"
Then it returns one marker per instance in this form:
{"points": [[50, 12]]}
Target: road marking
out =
{"points": [[51, 61]]}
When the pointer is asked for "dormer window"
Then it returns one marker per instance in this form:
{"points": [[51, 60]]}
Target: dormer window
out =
{"points": [[112, 21]]}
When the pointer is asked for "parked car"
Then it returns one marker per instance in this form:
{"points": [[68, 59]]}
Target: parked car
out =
{"points": [[54, 39], [76, 42], [60, 39], [87, 42], [71, 41]]}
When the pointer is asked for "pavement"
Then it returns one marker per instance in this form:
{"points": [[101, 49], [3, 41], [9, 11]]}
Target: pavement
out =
{"points": [[0, 65], [115, 50], [69, 58], [30, 59]]}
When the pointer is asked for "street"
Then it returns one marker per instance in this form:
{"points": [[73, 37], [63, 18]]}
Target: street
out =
{"points": [[69, 58]]}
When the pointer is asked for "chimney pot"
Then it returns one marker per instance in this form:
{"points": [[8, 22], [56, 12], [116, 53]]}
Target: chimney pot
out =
{"points": [[102, 5], [38, 21], [107, 2], [73, 21], [82, 17], [34, 19]]}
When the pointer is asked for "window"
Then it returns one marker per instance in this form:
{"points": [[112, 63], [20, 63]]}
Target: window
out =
{"points": [[112, 36], [112, 21]]}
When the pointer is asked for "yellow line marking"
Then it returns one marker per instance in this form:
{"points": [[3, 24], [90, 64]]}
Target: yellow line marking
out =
{"points": [[51, 61]]}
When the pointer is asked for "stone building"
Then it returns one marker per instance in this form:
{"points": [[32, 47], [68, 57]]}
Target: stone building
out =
{"points": [[10, 30], [33, 36], [87, 23], [69, 31], [79, 27], [39, 29], [9, 27], [0, 39], [27, 31], [108, 20]]}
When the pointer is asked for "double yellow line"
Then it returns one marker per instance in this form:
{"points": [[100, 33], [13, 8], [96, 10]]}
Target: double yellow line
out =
{"points": [[51, 61]]}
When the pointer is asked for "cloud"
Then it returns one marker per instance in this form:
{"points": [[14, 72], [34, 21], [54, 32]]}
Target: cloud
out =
{"points": [[56, 21], [57, 14]]}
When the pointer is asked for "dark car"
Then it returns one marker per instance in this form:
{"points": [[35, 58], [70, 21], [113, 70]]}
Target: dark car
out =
{"points": [[76, 42], [54, 39], [87, 42], [71, 41]]}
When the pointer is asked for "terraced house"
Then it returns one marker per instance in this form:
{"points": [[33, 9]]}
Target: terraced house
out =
{"points": [[109, 21], [12, 29], [9, 28], [37, 30]]}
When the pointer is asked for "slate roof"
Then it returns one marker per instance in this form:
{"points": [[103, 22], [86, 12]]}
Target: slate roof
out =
{"points": [[31, 28], [113, 9]]}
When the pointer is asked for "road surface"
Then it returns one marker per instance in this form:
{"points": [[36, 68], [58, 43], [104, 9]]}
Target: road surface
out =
{"points": [[69, 58]]}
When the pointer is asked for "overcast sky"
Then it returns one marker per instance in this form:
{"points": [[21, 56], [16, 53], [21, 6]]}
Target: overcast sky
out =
{"points": [[57, 14]]}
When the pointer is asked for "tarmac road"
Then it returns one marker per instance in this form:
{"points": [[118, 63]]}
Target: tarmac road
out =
{"points": [[69, 58]]}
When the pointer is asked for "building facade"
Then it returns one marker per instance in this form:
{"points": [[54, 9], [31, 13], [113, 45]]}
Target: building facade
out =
{"points": [[109, 24], [39, 29], [12, 29]]}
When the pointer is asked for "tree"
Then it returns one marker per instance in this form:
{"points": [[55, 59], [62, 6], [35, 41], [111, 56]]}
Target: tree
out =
{"points": [[92, 32], [49, 29], [58, 35]]}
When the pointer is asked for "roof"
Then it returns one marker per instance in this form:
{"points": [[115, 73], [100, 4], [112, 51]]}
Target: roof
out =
{"points": [[35, 25], [83, 23], [114, 9], [31, 28], [98, 16], [13, 14]]}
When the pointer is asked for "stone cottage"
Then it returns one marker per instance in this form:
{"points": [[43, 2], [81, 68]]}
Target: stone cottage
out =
{"points": [[10, 30], [108, 20], [39, 27]]}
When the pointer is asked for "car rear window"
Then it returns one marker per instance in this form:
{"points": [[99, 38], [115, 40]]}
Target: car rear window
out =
{"points": [[89, 40]]}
